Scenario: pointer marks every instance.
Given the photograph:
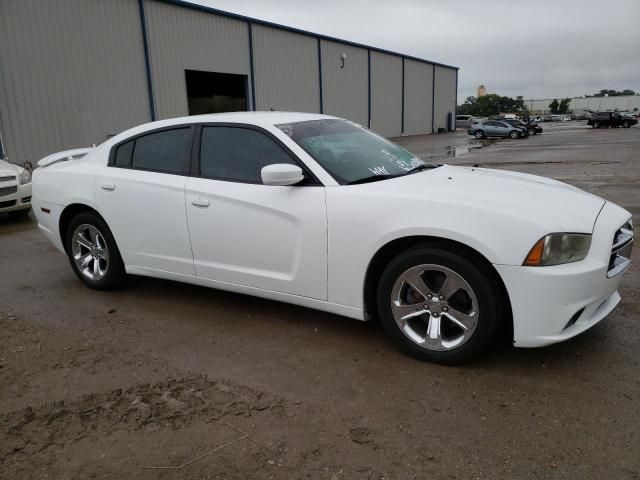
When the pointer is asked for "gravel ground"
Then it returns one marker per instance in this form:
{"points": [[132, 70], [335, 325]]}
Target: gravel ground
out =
{"points": [[171, 381]]}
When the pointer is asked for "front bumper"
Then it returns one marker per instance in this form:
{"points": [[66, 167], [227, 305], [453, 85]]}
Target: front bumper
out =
{"points": [[552, 304], [19, 197]]}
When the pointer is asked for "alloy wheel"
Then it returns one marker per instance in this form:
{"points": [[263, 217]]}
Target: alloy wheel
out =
{"points": [[434, 307], [90, 252]]}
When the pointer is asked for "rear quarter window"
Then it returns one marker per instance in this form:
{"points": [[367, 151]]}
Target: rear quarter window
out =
{"points": [[123, 154]]}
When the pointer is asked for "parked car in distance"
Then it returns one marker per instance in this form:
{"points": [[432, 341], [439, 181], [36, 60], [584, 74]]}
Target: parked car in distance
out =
{"points": [[531, 128], [448, 258], [610, 119], [496, 128], [464, 121], [15, 189]]}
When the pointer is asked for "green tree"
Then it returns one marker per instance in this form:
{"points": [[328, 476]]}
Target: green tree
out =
{"points": [[553, 106], [469, 107], [492, 105], [564, 105]]}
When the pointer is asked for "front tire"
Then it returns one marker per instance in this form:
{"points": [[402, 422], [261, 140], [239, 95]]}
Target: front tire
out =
{"points": [[479, 134], [626, 124], [93, 253], [439, 306], [514, 134]]}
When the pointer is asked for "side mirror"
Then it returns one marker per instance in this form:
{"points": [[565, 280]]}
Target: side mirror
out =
{"points": [[281, 174]]}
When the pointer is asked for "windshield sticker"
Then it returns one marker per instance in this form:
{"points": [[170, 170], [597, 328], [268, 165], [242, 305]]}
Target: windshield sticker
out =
{"points": [[405, 165], [379, 170]]}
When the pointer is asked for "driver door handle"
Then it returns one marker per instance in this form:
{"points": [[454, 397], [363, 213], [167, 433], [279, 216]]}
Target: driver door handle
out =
{"points": [[200, 202], [108, 186]]}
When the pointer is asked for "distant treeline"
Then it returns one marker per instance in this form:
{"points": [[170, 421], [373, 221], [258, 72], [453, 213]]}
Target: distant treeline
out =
{"points": [[612, 93]]}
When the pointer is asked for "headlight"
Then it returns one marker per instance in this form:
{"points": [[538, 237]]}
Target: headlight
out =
{"points": [[25, 177], [557, 248]]}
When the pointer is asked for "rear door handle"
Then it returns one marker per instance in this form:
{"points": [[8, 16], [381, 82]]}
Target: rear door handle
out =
{"points": [[200, 202], [108, 186]]}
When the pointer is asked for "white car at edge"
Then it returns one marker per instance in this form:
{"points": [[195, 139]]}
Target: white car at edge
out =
{"points": [[15, 189], [317, 211]]}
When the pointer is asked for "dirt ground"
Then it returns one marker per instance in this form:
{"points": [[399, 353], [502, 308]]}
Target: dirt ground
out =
{"points": [[171, 381]]}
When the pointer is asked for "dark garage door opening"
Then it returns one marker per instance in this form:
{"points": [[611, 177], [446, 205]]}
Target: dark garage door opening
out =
{"points": [[211, 92]]}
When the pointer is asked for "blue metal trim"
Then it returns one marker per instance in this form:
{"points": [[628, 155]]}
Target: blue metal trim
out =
{"points": [[433, 101], [369, 83], [320, 76], [193, 6], [402, 121], [252, 69], [147, 60]]}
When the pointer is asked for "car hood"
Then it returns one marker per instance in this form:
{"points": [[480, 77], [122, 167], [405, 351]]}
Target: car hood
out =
{"points": [[7, 168], [553, 205]]}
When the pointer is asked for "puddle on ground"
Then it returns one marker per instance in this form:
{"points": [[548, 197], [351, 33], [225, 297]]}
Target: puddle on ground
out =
{"points": [[455, 152]]}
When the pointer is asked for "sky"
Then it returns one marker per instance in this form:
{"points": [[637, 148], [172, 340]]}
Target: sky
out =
{"points": [[537, 49]]}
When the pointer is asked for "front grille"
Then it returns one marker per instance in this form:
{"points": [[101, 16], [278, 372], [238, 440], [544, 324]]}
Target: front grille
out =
{"points": [[4, 191], [10, 178], [10, 203], [621, 250]]}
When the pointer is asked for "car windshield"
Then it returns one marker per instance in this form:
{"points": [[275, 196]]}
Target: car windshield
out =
{"points": [[351, 153]]}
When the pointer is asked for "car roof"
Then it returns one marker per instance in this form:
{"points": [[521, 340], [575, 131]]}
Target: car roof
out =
{"points": [[261, 119], [254, 118]]}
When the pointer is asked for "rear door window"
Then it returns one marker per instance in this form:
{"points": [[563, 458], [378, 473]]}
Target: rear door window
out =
{"points": [[165, 151]]}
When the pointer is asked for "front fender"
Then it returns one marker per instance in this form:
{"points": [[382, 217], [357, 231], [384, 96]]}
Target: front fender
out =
{"points": [[360, 225]]}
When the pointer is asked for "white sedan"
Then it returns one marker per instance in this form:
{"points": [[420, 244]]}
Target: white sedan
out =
{"points": [[15, 189], [317, 211]]}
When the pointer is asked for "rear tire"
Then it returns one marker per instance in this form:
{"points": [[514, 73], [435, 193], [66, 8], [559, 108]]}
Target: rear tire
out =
{"points": [[470, 294], [93, 253], [479, 134], [626, 124]]}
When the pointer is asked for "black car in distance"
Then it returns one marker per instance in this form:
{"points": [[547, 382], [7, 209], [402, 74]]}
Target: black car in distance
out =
{"points": [[611, 119], [532, 128]]}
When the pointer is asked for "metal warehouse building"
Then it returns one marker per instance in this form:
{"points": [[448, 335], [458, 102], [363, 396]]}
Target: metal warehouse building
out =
{"points": [[74, 72]]}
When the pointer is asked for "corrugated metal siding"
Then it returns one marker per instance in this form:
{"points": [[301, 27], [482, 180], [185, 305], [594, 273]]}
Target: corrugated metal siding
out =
{"points": [[72, 72], [286, 70], [445, 96], [183, 39], [386, 94], [418, 100], [345, 92]]}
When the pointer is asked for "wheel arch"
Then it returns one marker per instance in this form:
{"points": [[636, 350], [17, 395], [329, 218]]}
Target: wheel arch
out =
{"points": [[69, 213], [394, 247]]}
